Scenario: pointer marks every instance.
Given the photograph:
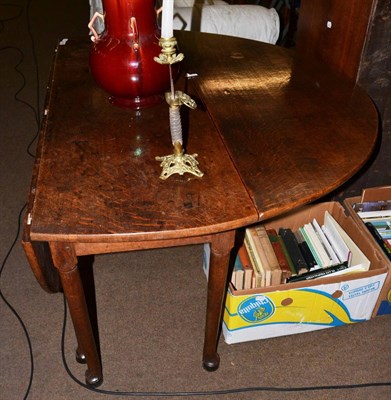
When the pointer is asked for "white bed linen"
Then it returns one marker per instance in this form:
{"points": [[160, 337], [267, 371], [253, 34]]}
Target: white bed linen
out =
{"points": [[246, 21], [96, 6], [217, 16], [190, 3]]}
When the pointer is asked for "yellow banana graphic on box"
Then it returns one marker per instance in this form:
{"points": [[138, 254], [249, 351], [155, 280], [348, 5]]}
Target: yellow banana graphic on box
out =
{"points": [[303, 306]]}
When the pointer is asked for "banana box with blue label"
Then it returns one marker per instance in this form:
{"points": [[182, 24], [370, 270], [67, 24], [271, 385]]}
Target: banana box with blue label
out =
{"points": [[374, 194], [310, 305]]}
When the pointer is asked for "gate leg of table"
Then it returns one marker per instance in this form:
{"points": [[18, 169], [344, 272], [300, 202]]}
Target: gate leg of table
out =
{"points": [[65, 261], [220, 246]]}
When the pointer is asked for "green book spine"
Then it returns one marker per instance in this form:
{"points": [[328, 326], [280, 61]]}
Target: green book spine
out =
{"points": [[287, 256], [307, 239]]}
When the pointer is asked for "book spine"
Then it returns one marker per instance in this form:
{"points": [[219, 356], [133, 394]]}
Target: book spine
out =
{"points": [[286, 271], [376, 235], [287, 256], [270, 255], [308, 257], [326, 244], [238, 274], [257, 276], [312, 249], [293, 249], [332, 231], [247, 267], [259, 253], [317, 245]]}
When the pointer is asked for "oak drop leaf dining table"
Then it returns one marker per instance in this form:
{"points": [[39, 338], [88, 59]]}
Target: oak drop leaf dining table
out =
{"points": [[273, 131]]}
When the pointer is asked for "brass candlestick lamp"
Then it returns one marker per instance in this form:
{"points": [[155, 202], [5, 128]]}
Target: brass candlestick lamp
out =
{"points": [[179, 162]]}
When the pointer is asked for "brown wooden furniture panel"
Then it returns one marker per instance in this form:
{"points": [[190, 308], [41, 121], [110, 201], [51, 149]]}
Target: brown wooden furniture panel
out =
{"points": [[358, 45], [271, 133], [99, 174], [340, 44], [295, 129]]}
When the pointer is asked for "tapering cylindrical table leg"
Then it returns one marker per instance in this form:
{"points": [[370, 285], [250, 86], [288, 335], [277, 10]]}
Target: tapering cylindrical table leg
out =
{"points": [[221, 246], [65, 261]]}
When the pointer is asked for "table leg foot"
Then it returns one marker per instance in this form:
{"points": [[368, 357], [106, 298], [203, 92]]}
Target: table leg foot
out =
{"points": [[80, 357], [220, 250], [93, 380], [65, 260], [211, 363]]}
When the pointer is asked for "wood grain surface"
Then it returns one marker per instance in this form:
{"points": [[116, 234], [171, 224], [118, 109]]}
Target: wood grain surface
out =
{"points": [[271, 132], [294, 129], [98, 179]]}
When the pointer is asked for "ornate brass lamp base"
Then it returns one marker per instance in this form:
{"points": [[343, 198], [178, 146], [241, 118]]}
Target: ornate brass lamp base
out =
{"points": [[168, 54], [179, 163]]}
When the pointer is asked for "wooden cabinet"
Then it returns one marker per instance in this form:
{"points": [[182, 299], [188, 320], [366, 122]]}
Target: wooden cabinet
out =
{"points": [[334, 31], [354, 37]]}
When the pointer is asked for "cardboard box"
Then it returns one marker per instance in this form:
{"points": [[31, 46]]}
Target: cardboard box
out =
{"points": [[309, 305], [383, 305]]}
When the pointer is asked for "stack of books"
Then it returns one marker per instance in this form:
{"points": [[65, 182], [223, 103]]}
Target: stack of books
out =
{"points": [[270, 257], [377, 217]]}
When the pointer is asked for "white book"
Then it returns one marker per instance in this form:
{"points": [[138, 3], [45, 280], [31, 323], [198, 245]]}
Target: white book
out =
{"points": [[374, 214], [326, 243], [325, 261], [335, 240], [334, 237], [356, 256]]}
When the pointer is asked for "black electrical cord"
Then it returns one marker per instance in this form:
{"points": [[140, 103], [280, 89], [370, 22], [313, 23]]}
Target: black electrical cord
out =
{"points": [[19, 12], [206, 392], [37, 79], [36, 109], [13, 310]]}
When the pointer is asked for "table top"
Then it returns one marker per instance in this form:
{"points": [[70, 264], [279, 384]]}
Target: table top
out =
{"points": [[271, 132], [294, 129]]}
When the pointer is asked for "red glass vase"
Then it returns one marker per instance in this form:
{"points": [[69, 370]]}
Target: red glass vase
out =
{"points": [[122, 57]]}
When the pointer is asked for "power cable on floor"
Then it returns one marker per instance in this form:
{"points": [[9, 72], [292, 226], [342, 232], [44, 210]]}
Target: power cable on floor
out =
{"points": [[19, 11], [206, 392]]}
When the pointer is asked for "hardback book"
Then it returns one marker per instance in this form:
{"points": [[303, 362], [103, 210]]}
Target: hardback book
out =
{"points": [[311, 247], [379, 239], [238, 274], [335, 238], [258, 275], [260, 255], [287, 256], [355, 255], [286, 271], [247, 267], [383, 226], [293, 249], [276, 273], [373, 209], [325, 260], [306, 251], [325, 242]]}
